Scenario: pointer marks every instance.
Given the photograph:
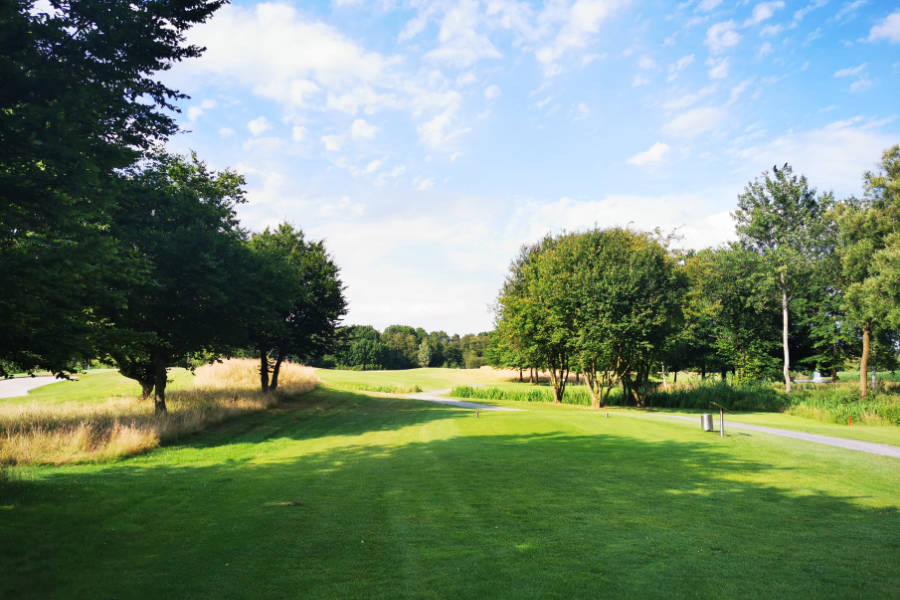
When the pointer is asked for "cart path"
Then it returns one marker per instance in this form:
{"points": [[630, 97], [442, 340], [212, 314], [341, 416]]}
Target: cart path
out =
{"points": [[20, 386], [436, 396], [870, 447]]}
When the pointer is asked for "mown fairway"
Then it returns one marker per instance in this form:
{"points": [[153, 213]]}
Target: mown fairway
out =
{"points": [[340, 494]]}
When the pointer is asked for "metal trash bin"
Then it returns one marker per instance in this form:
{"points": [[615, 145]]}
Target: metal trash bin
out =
{"points": [[706, 421]]}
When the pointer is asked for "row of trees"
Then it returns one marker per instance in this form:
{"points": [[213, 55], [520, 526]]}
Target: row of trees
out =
{"points": [[404, 347], [812, 282], [112, 248]]}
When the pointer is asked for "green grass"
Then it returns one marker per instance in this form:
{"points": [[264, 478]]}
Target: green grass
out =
{"points": [[95, 386], [340, 494]]}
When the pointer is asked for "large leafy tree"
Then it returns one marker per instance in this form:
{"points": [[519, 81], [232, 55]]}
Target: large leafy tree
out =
{"points": [[302, 300], [178, 218], [79, 101], [784, 220], [870, 245], [628, 295]]}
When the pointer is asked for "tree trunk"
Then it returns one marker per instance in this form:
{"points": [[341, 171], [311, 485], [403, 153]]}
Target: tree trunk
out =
{"points": [[665, 382], [520, 375], [784, 336], [675, 378], [724, 373], [146, 389], [264, 370], [864, 361], [273, 385], [160, 378]]}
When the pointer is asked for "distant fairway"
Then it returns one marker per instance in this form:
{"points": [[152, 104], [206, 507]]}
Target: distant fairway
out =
{"points": [[340, 494]]}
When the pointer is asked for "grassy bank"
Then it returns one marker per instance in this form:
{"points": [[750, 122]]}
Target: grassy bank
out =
{"points": [[100, 418]]}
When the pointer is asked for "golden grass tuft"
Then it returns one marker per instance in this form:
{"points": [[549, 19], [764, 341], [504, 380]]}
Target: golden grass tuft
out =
{"points": [[72, 432]]}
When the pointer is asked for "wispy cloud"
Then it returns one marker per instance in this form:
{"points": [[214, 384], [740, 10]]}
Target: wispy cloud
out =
{"points": [[654, 155]]}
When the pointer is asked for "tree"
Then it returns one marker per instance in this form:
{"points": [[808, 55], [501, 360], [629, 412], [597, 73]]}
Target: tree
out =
{"points": [[304, 298], [628, 296], [424, 355], [869, 230], [79, 102], [782, 219], [535, 310], [179, 219]]}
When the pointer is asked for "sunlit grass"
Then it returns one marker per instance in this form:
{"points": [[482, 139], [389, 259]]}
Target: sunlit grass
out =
{"points": [[49, 431]]}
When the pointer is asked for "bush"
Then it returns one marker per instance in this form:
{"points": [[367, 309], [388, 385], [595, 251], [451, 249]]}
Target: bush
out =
{"points": [[839, 403], [742, 397]]}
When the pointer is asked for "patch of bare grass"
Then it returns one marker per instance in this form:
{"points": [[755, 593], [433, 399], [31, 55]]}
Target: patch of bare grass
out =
{"points": [[42, 433]]}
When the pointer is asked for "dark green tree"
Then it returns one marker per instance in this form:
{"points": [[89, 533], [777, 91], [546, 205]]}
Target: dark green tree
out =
{"points": [[869, 230], [79, 102], [303, 299], [178, 218]]}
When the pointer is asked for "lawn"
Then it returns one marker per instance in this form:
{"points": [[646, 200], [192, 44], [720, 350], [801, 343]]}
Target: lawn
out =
{"points": [[342, 494]]}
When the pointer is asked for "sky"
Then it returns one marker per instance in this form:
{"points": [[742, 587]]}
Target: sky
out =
{"points": [[427, 141]]}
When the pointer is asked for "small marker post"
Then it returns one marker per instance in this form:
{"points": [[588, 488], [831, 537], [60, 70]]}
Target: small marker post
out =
{"points": [[849, 420], [476, 413]]}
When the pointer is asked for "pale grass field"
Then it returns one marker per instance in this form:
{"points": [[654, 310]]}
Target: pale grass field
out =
{"points": [[44, 433]]}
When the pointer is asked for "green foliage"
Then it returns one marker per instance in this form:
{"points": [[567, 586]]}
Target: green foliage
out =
{"points": [[741, 397], [838, 404], [424, 354], [577, 395], [179, 219], [79, 102], [298, 299]]}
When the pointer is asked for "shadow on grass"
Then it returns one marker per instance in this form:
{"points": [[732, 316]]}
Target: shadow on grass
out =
{"points": [[320, 413], [535, 515]]}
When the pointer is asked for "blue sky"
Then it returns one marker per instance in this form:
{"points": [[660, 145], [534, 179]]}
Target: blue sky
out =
{"points": [[427, 141]]}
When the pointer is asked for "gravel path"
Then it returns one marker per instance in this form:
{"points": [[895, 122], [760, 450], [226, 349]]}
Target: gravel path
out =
{"points": [[435, 397], [870, 447], [10, 388]]}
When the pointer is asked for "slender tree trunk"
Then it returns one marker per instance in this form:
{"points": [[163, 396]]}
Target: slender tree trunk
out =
{"points": [[273, 384], [784, 336], [520, 375], [665, 382], [675, 378], [724, 373], [146, 389], [864, 361], [264, 370], [159, 383]]}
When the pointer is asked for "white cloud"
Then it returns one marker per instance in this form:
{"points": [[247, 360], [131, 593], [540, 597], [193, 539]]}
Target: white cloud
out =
{"points": [[461, 42], [372, 166], [646, 63], [360, 130], [333, 143], [294, 93], [801, 13], [764, 50], [762, 12], [298, 133], [860, 85], [721, 36], [442, 131], [654, 155], [194, 112], [833, 157], [492, 92], [771, 30], [684, 100], [639, 80], [423, 184], [718, 67], [579, 23], [680, 65], [695, 121], [889, 29], [708, 5], [738, 90], [850, 71], [582, 111], [226, 131], [259, 125]]}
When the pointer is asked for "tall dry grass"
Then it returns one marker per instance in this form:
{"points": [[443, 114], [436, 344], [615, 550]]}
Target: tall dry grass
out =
{"points": [[74, 432]]}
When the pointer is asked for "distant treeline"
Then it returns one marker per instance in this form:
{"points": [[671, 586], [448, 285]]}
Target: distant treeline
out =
{"points": [[362, 347]]}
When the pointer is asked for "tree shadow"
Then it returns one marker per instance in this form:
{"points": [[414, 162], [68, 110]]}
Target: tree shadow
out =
{"points": [[535, 515]]}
